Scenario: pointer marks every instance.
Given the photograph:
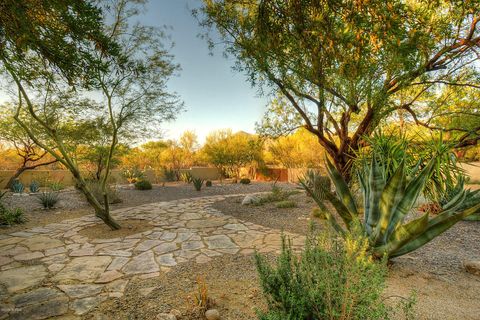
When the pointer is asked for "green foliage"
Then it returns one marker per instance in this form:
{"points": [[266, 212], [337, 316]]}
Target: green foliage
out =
{"points": [[34, 187], [286, 204], [329, 280], [96, 189], [56, 186], [133, 174], [197, 183], [341, 68], [386, 204], [48, 199], [170, 174], [230, 151], [17, 186], [187, 177], [391, 150], [208, 183], [143, 185], [10, 217], [245, 181], [316, 182], [276, 195]]}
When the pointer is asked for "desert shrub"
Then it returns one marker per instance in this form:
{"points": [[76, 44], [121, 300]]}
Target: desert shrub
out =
{"points": [[202, 300], [56, 186], [316, 182], [208, 183], [329, 280], [17, 186], [10, 217], [186, 177], [143, 185], [34, 187], [197, 183], [276, 195], [245, 181], [96, 188], [133, 174], [170, 175], [286, 204], [48, 199]]}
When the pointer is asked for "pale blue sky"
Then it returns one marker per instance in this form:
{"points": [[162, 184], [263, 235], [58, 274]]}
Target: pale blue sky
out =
{"points": [[215, 96]]}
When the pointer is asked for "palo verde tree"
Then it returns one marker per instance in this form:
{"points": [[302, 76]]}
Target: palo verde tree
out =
{"points": [[131, 80], [343, 66]]}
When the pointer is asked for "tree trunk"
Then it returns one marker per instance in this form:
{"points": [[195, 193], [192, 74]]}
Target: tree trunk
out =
{"points": [[100, 211]]}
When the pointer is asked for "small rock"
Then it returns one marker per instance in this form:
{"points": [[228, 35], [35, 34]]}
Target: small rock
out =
{"points": [[250, 199], [166, 316], [472, 267], [212, 314]]}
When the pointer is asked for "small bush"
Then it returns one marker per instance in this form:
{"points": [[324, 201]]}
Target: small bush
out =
{"points": [[170, 175], [95, 188], [56, 186], [17, 187], [133, 175], [186, 177], [245, 181], [143, 185], [330, 280], [34, 187], [286, 204], [202, 300], [277, 195], [197, 183], [10, 217], [208, 183], [48, 199], [318, 213]]}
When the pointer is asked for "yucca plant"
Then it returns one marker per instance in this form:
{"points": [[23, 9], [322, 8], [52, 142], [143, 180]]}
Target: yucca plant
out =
{"points": [[186, 177], [197, 183], [48, 199], [17, 186], [34, 187], [386, 203]]}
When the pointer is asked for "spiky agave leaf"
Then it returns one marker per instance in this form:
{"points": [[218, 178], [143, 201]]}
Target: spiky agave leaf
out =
{"points": [[376, 185], [341, 188]]}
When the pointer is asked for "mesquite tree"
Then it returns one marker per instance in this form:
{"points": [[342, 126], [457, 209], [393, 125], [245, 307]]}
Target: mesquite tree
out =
{"points": [[344, 66]]}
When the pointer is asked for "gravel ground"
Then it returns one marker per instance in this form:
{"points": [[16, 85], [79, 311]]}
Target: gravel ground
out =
{"points": [[231, 280], [294, 220]]}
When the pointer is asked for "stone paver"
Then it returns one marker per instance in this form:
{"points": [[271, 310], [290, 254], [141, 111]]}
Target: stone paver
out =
{"points": [[52, 270]]}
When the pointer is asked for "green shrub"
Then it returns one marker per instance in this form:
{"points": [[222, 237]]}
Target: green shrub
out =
{"points": [[170, 175], [245, 181], [330, 280], [286, 204], [56, 186], [278, 194], [208, 183], [48, 199], [17, 186], [34, 187], [197, 183], [143, 185], [133, 174], [316, 182], [95, 188], [186, 177], [10, 217]]}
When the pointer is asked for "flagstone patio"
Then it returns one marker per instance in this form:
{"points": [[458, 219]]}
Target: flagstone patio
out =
{"points": [[53, 270]]}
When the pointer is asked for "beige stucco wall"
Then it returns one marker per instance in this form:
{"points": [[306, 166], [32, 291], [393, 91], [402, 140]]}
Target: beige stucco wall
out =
{"points": [[472, 169]]}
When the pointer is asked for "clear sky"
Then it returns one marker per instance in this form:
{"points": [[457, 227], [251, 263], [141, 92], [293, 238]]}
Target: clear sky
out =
{"points": [[215, 96]]}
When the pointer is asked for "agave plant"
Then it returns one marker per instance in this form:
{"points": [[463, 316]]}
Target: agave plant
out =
{"points": [[197, 183], [386, 203]]}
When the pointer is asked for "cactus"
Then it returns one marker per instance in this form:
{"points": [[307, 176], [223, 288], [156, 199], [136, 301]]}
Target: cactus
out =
{"points": [[316, 182], [386, 205]]}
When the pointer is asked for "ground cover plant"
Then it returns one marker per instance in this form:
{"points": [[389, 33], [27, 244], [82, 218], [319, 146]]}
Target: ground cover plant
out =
{"points": [[143, 185], [48, 199], [330, 279]]}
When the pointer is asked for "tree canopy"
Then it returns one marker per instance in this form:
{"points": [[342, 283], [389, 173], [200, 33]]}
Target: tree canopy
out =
{"points": [[344, 66]]}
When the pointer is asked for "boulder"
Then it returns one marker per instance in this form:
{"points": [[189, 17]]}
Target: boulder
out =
{"points": [[472, 267], [250, 199]]}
